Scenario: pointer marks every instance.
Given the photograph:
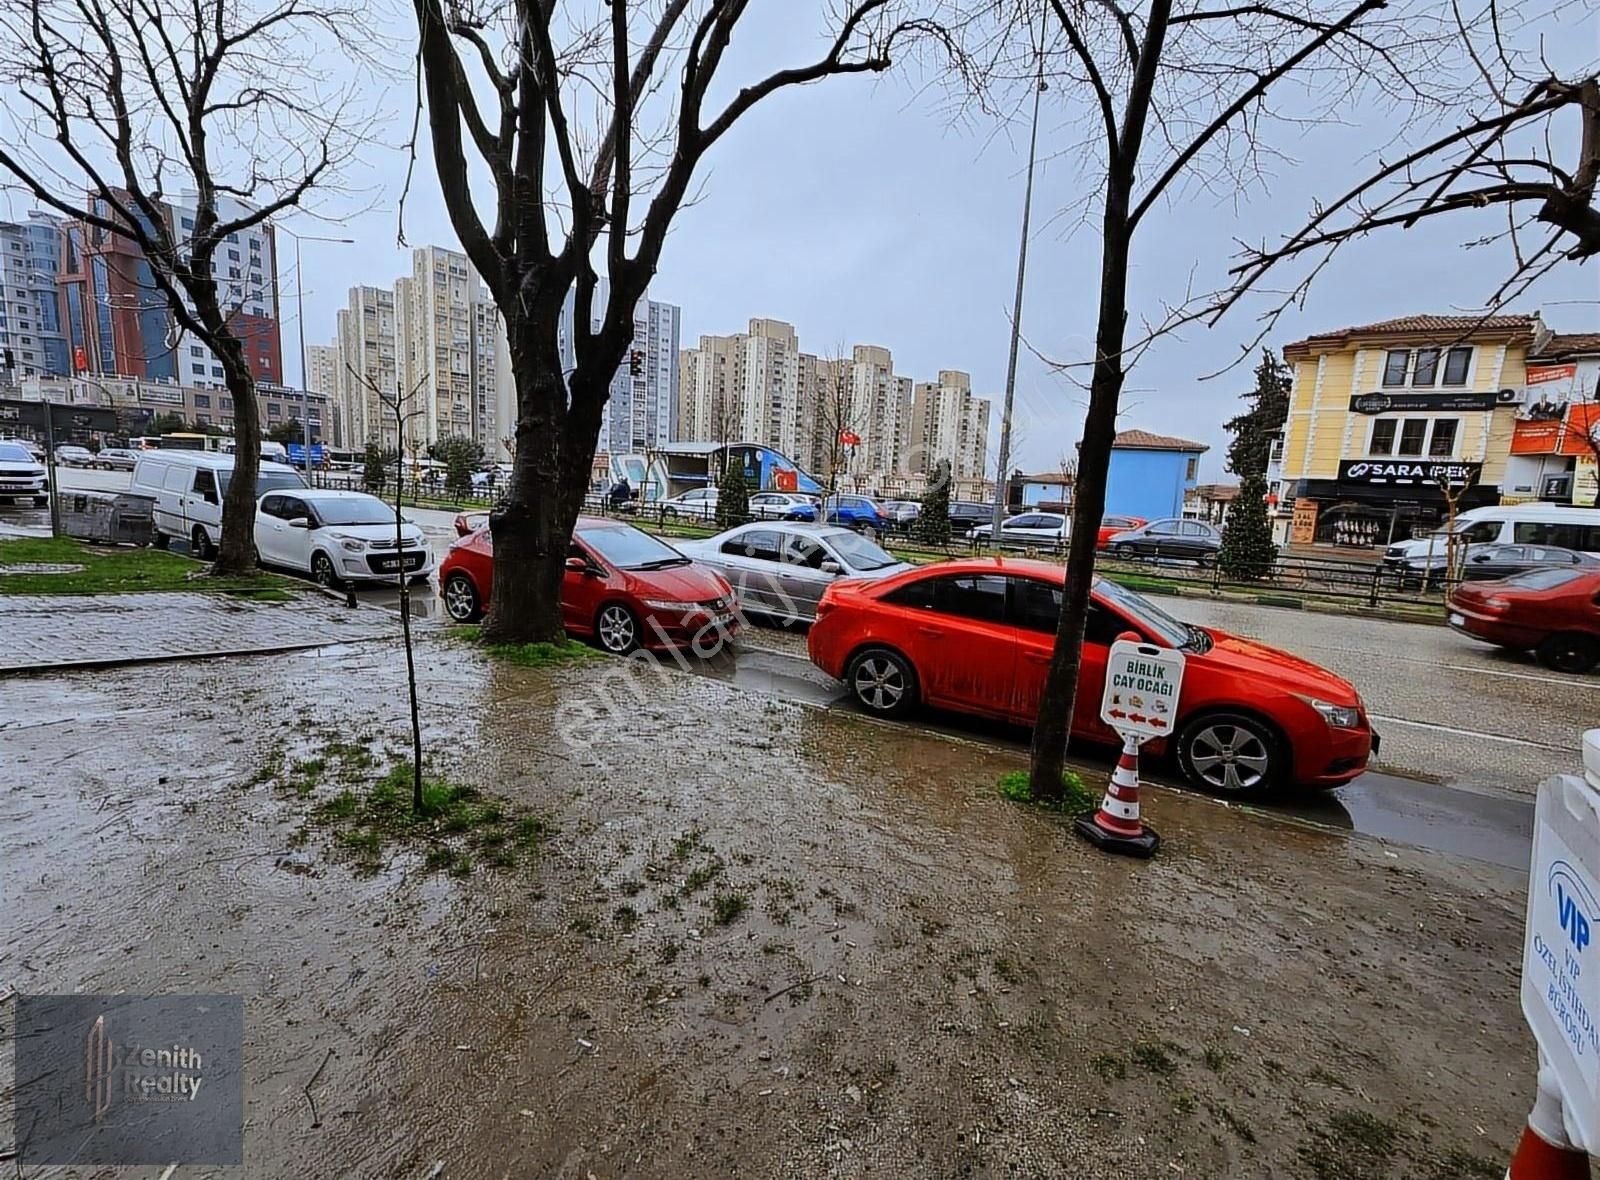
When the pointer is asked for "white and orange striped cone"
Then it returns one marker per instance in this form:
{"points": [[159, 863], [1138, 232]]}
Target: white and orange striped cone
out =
{"points": [[1116, 827], [1545, 1152]]}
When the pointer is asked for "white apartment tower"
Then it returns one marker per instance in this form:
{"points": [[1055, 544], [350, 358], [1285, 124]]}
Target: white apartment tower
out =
{"points": [[880, 410], [322, 376], [645, 388], [367, 364], [948, 423]]}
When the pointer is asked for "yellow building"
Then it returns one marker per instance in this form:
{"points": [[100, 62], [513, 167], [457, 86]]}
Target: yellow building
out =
{"points": [[1390, 421]]}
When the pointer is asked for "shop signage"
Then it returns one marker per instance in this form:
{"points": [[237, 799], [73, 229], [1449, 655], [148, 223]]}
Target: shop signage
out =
{"points": [[1536, 437], [1303, 524], [1382, 403], [1407, 473], [1544, 374]]}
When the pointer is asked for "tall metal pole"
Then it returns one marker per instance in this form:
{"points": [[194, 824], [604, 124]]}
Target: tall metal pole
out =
{"points": [[1003, 471], [305, 391]]}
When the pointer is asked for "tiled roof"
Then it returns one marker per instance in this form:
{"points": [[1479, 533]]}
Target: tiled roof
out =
{"points": [[1569, 344], [1440, 327], [1143, 440]]}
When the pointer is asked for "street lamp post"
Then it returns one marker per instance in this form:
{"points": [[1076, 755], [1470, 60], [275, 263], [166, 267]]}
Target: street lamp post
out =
{"points": [[1002, 473], [300, 317]]}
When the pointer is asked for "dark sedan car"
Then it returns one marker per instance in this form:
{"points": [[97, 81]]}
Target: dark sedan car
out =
{"points": [[966, 514], [1483, 563], [1193, 540]]}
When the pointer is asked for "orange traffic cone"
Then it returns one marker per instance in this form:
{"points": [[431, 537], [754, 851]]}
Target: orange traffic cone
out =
{"points": [[1116, 827], [1545, 1152]]}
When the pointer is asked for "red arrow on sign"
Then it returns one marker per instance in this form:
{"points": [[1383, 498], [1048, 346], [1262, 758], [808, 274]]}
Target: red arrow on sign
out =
{"points": [[1136, 718]]}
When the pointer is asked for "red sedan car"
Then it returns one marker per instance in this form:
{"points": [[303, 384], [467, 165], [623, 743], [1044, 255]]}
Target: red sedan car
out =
{"points": [[1554, 613], [1110, 526], [976, 635], [623, 588]]}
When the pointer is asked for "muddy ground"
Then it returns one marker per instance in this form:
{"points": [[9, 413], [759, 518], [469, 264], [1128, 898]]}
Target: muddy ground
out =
{"points": [[762, 940]]}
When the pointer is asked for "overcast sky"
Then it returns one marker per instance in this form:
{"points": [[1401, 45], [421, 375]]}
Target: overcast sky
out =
{"points": [[855, 210]]}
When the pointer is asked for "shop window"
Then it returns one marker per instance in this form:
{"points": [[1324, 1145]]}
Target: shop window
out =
{"points": [[1443, 443], [1413, 432], [1382, 440], [1394, 369], [1426, 370]]}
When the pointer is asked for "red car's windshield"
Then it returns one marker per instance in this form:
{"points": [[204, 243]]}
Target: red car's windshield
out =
{"points": [[1151, 617], [629, 549]]}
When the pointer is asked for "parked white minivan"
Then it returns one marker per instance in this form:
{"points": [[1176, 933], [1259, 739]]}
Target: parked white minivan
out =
{"points": [[188, 486], [1511, 524]]}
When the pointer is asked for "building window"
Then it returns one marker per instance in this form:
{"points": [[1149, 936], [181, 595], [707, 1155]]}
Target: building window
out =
{"points": [[199, 370], [202, 401], [1193, 469], [188, 223], [1394, 369], [1382, 440], [216, 371], [226, 405], [233, 256], [1426, 370], [196, 350], [1443, 443], [202, 419], [1413, 432], [274, 410], [1456, 363]]}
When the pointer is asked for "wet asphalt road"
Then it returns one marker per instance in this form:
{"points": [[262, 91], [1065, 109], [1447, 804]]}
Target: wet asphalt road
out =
{"points": [[1468, 731]]}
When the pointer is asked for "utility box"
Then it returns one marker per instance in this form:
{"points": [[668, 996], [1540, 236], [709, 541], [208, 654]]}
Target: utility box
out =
{"points": [[135, 519], [110, 518]]}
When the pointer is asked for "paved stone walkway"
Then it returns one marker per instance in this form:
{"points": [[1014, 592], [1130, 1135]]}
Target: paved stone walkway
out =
{"points": [[70, 630]]}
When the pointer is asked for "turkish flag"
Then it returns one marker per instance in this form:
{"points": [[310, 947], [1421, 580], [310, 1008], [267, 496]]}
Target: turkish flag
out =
{"points": [[80, 360], [850, 438]]}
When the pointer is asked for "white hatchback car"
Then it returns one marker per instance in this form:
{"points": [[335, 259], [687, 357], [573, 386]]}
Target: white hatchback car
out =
{"points": [[338, 537]]}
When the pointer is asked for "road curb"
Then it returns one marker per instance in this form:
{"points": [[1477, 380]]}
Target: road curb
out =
{"points": [[169, 657]]}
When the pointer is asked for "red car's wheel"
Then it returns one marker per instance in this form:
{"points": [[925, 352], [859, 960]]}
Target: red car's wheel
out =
{"points": [[1231, 754], [461, 600], [616, 629], [1574, 654], [883, 681]]}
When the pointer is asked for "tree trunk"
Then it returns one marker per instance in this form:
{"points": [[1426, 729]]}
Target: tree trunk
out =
{"points": [[533, 526], [1054, 724], [236, 554]]}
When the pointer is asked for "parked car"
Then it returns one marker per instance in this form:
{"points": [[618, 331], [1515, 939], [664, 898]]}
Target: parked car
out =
{"points": [[969, 514], [976, 636], [699, 504], [22, 477], [188, 487], [1510, 524], [1031, 528], [71, 455], [1110, 526], [116, 458], [1485, 563], [1553, 612], [856, 512], [782, 506], [338, 537], [1170, 537], [780, 570], [902, 513], [623, 588]]}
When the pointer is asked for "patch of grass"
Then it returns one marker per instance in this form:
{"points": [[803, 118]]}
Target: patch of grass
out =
{"points": [[1109, 1066], [1183, 1105], [702, 876], [1352, 1145], [1005, 969], [1463, 1165], [728, 907], [1156, 1058], [122, 569], [685, 845], [1233, 1122], [1076, 799], [1323, 1078], [625, 918], [541, 655], [1216, 1059], [669, 951], [341, 806]]}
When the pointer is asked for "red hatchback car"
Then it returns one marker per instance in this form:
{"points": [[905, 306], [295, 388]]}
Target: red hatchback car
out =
{"points": [[1554, 613], [623, 588], [1110, 526], [976, 635]]}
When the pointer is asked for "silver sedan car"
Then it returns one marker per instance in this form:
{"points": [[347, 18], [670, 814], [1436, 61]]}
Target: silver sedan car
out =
{"points": [[779, 569]]}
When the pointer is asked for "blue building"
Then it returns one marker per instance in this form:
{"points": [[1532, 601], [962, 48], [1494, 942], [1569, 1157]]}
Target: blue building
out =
{"points": [[1150, 473]]}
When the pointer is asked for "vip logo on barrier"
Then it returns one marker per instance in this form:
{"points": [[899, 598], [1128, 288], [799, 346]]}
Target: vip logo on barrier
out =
{"points": [[1574, 904]]}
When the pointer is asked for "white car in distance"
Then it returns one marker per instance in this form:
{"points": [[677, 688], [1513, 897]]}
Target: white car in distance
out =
{"points": [[338, 537]]}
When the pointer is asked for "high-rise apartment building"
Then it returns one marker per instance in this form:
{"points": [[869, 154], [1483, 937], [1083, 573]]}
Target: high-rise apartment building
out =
{"points": [[32, 326], [645, 388], [948, 423], [754, 387], [322, 377], [119, 322], [708, 381], [880, 410], [368, 363]]}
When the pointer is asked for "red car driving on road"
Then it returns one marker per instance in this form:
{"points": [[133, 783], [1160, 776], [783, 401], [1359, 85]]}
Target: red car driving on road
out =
{"points": [[976, 635], [1554, 613], [623, 588]]}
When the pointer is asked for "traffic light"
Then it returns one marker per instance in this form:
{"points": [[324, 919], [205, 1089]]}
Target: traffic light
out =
{"points": [[635, 363]]}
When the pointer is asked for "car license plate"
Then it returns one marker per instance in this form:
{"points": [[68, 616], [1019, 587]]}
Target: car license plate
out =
{"points": [[388, 563], [1457, 620], [722, 620]]}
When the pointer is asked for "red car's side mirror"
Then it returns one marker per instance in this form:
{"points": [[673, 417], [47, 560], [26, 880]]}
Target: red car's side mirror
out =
{"points": [[577, 565]]}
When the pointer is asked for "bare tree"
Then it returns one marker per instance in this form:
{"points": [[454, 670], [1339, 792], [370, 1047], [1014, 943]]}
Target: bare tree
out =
{"points": [[836, 420], [120, 106], [622, 102], [1527, 155], [1182, 98]]}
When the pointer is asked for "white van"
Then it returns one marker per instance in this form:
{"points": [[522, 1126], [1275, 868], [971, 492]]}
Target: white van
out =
{"points": [[1511, 524], [188, 486]]}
